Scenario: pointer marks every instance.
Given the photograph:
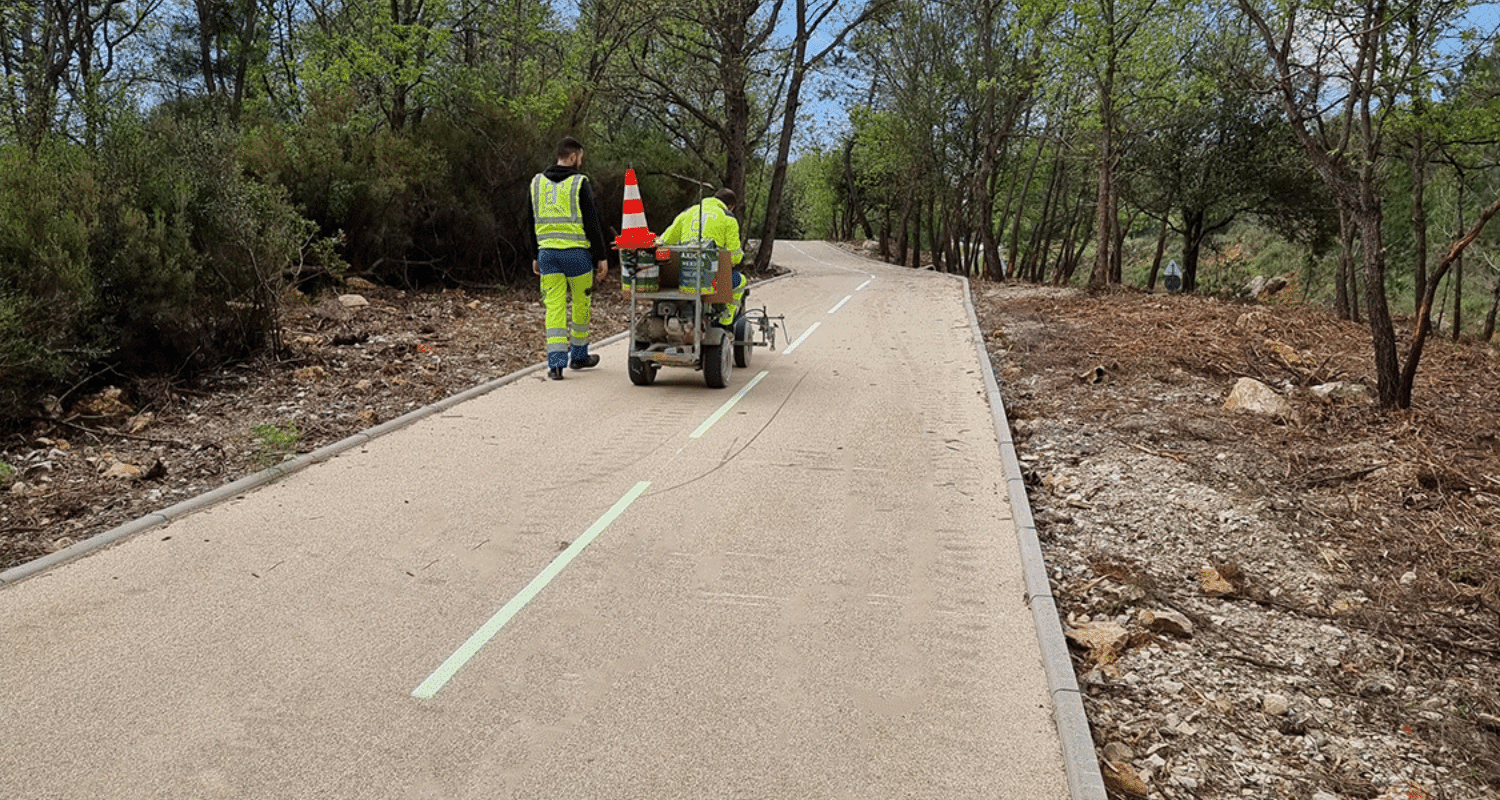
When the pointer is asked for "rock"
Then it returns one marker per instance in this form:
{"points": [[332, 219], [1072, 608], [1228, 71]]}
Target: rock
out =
{"points": [[870, 246], [1095, 375], [353, 300], [1408, 578], [1344, 605], [1213, 584], [1170, 622], [310, 374], [1284, 351], [1118, 752], [60, 543], [1121, 780], [1261, 285], [359, 284], [1275, 705], [20, 489], [1254, 320], [124, 472], [1104, 640], [1343, 392], [1406, 790], [1324, 796], [105, 406], [1256, 397], [140, 422]]}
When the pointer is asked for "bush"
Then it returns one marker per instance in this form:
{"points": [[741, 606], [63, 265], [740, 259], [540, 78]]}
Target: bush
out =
{"points": [[194, 251], [48, 292], [159, 255]]}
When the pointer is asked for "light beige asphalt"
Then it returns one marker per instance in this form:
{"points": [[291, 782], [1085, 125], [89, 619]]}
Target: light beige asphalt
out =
{"points": [[818, 598]]}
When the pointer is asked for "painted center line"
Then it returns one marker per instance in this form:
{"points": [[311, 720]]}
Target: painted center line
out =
{"points": [[866, 283], [481, 637], [728, 404], [802, 338], [840, 303]]}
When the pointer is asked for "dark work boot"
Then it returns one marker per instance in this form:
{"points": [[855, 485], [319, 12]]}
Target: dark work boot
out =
{"points": [[591, 361], [555, 373]]}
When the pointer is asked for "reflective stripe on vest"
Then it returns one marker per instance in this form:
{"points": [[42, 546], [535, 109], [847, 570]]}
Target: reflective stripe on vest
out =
{"points": [[559, 215]]}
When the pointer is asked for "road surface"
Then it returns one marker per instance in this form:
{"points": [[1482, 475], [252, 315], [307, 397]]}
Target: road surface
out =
{"points": [[805, 585]]}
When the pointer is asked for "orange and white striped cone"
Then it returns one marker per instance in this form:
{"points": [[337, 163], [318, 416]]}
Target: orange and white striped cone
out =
{"points": [[634, 234]]}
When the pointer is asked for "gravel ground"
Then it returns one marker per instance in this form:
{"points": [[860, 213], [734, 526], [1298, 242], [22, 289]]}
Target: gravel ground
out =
{"points": [[1294, 606]]}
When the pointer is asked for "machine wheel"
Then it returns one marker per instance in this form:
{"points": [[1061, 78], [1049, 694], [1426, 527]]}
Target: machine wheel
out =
{"points": [[642, 373], [718, 363], [742, 352]]}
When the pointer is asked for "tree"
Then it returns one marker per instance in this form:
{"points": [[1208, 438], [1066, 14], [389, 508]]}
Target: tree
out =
{"points": [[1209, 154], [809, 18], [58, 64], [700, 77], [1340, 72]]}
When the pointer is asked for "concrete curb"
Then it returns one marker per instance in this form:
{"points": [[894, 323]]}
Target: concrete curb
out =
{"points": [[1085, 782], [269, 474]]}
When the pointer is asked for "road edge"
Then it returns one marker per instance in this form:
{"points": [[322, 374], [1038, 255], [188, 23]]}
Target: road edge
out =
{"points": [[1085, 781]]}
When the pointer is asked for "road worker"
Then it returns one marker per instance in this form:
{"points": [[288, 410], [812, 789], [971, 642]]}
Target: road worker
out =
{"points": [[570, 253], [713, 220]]}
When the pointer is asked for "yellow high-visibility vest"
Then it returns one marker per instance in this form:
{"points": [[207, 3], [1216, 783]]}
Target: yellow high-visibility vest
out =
{"points": [[559, 215]]}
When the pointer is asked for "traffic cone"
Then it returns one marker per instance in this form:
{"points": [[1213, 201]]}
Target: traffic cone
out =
{"points": [[636, 234]]}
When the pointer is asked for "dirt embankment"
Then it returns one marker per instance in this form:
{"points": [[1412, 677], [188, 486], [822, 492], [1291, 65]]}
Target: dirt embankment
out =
{"points": [[1303, 603]]}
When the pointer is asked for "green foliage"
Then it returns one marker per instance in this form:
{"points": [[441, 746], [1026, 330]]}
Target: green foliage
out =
{"points": [[6, 472], [158, 255], [49, 291], [273, 443], [193, 250], [811, 182]]}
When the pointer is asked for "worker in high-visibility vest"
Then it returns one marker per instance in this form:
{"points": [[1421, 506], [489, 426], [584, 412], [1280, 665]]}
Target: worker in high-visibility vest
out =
{"points": [[570, 253], [713, 220]]}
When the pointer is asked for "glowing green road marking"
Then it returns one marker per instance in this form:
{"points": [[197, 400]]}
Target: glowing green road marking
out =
{"points": [[724, 409], [461, 656]]}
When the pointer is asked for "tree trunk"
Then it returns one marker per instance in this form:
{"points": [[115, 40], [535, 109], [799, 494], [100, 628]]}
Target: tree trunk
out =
{"points": [[783, 154], [1419, 218], [916, 237], [1161, 247], [1424, 312], [1489, 319], [851, 186], [1192, 246], [1104, 208], [1341, 294], [1458, 273], [903, 233], [1382, 330]]}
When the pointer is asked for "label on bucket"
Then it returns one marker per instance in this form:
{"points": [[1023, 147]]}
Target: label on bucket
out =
{"points": [[696, 270], [646, 279]]}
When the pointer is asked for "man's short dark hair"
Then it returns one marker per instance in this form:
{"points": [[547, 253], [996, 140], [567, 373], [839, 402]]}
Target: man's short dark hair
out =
{"points": [[567, 147], [727, 197]]}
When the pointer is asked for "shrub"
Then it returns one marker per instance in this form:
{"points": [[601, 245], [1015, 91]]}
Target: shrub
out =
{"points": [[48, 291]]}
